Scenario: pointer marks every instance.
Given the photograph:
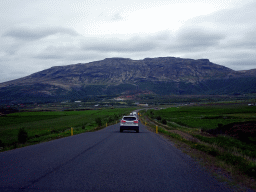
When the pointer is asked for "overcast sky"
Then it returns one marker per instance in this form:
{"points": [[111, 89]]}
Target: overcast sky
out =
{"points": [[38, 34]]}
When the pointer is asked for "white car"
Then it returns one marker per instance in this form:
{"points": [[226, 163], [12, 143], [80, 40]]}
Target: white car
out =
{"points": [[129, 123]]}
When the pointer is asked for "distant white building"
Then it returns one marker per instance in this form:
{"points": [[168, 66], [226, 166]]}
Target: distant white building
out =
{"points": [[143, 105], [78, 101]]}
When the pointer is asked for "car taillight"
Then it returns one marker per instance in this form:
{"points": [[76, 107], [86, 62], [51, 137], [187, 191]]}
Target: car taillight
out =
{"points": [[136, 121], [123, 121]]}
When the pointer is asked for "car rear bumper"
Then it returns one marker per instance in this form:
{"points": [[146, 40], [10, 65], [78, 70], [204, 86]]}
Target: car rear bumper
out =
{"points": [[129, 127]]}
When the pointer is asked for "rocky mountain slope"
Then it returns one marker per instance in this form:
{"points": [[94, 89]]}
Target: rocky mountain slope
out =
{"points": [[165, 75]]}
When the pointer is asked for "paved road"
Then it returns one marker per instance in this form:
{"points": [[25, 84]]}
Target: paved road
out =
{"points": [[106, 160]]}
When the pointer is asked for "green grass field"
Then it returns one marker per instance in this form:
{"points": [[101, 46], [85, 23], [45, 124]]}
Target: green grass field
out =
{"points": [[48, 125], [206, 116], [240, 153]]}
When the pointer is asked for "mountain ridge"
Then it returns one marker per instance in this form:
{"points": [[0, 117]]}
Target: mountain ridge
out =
{"points": [[162, 75]]}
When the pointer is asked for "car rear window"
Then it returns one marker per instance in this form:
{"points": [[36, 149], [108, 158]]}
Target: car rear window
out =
{"points": [[129, 118]]}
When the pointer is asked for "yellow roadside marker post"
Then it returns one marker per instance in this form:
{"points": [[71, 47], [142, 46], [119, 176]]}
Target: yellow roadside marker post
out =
{"points": [[156, 128], [72, 131], [106, 124]]}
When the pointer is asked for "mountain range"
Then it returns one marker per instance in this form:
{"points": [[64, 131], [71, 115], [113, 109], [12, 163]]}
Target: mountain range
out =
{"points": [[120, 76]]}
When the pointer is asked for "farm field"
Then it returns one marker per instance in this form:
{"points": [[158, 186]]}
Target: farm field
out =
{"points": [[48, 125], [206, 116], [223, 132]]}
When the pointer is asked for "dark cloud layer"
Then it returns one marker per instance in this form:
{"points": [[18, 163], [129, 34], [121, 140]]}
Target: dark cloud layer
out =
{"points": [[136, 44], [25, 33], [194, 39]]}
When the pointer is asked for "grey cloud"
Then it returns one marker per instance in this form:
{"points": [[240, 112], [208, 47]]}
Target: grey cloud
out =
{"points": [[54, 52], [117, 17], [84, 57], [236, 16], [92, 48], [228, 37], [47, 56], [161, 36], [71, 56], [194, 39], [135, 44], [245, 41], [235, 59], [231, 19], [68, 53], [25, 33], [244, 62]]}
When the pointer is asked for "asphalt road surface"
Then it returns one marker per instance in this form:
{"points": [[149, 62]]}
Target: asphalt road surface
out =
{"points": [[106, 160]]}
